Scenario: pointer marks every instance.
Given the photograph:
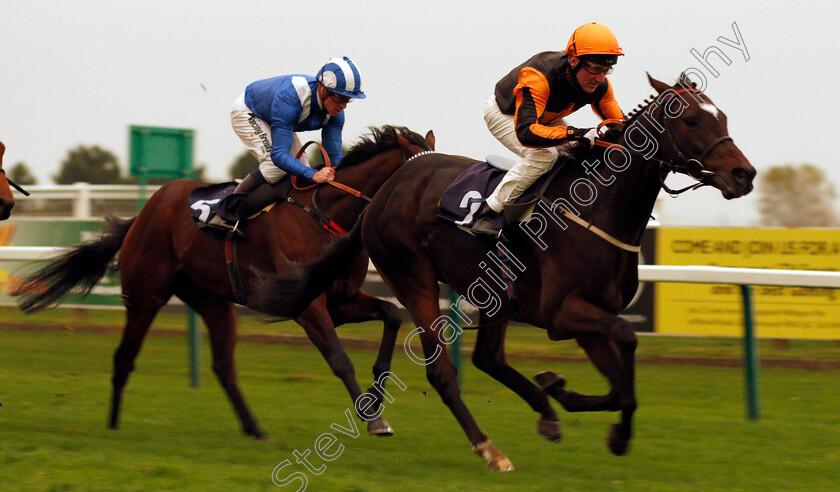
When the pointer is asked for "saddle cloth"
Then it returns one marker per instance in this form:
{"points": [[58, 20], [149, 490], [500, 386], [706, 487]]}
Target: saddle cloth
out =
{"points": [[218, 199], [471, 188], [466, 194], [205, 202]]}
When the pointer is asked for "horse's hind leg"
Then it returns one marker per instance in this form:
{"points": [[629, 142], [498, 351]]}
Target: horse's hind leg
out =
{"points": [[319, 327], [138, 319], [220, 319], [489, 356], [360, 307]]}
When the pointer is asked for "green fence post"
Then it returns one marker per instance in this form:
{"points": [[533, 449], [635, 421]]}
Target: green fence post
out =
{"points": [[751, 366], [456, 344]]}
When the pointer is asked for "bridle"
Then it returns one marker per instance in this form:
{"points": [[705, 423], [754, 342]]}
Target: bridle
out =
{"points": [[690, 166]]}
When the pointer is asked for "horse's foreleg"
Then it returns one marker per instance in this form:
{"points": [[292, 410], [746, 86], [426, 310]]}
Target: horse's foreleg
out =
{"points": [[425, 311], [610, 342], [489, 356], [359, 307]]}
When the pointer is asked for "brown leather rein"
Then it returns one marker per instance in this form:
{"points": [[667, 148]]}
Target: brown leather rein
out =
{"points": [[340, 186]]}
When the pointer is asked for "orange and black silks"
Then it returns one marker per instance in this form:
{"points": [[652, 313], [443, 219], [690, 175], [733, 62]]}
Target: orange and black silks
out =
{"points": [[543, 90]]}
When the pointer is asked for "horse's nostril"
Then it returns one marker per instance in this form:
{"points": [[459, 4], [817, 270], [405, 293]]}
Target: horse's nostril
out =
{"points": [[742, 175]]}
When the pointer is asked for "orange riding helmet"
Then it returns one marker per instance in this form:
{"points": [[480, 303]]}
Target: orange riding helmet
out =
{"points": [[593, 39]]}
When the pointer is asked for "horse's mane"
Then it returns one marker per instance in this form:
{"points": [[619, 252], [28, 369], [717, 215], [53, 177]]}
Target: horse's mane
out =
{"points": [[378, 141], [578, 151], [634, 113]]}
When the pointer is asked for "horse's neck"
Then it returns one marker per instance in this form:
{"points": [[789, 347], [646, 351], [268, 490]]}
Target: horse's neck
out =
{"points": [[366, 177], [634, 191], [625, 193]]}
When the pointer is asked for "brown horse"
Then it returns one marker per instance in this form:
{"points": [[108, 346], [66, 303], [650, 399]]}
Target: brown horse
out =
{"points": [[163, 252], [7, 200], [570, 280]]}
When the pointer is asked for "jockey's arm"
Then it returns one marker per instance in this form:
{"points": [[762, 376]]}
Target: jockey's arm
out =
{"points": [[282, 136], [532, 91]]}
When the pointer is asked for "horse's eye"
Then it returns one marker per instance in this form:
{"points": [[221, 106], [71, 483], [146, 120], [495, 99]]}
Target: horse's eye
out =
{"points": [[689, 121]]}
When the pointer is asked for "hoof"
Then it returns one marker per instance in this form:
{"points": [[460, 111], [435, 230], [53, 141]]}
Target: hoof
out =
{"points": [[380, 427], [550, 429], [496, 460], [500, 464], [617, 444], [548, 380], [256, 433]]}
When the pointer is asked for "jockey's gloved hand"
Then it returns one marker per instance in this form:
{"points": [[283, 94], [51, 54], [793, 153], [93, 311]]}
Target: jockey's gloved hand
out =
{"points": [[587, 135]]}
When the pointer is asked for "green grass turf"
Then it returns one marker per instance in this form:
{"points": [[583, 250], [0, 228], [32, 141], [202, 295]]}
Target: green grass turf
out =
{"points": [[690, 434]]}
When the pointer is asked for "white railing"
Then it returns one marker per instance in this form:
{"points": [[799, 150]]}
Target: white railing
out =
{"points": [[82, 194], [28, 253], [738, 276]]}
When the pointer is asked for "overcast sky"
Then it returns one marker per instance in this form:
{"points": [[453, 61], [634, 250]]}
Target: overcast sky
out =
{"points": [[80, 72]]}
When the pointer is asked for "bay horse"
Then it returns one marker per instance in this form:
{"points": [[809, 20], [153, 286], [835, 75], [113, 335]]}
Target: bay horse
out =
{"points": [[570, 280], [7, 199], [163, 252]]}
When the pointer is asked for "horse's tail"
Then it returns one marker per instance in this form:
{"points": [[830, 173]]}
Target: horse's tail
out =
{"points": [[79, 269], [287, 297]]}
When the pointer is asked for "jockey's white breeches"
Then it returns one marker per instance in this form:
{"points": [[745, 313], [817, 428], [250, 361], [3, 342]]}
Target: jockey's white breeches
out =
{"points": [[534, 162], [256, 135]]}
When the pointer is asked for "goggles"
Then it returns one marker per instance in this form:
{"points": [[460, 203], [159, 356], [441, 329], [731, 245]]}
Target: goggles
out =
{"points": [[339, 98], [597, 68]]}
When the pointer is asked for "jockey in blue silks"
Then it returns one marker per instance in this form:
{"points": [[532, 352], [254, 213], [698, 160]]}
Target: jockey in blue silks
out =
{"points": [[268, 114]]}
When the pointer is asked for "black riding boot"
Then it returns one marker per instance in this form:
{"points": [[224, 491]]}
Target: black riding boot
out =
{"points": [[484, 221], [246, 186], [229, 207]]}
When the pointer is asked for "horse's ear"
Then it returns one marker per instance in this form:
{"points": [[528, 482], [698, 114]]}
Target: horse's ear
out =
{"points": [[430, 139], [686, 82], [2, 151], [660, 87]]}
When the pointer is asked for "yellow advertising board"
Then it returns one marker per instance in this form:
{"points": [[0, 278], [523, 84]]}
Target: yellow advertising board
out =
{"points": [[780, 312]]}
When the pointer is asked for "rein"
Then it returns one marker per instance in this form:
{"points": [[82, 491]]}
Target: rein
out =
{"points": [[340, 186]]}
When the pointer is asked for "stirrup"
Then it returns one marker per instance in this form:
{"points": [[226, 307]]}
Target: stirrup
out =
{"points": [[230, 231], [236, 232]]}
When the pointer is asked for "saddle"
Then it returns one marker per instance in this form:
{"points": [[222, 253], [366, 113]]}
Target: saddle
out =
{"points": [[471, 188], [207, 202]]}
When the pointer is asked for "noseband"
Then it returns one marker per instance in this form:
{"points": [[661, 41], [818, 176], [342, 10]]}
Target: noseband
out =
{"points": [[690, 166]]}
